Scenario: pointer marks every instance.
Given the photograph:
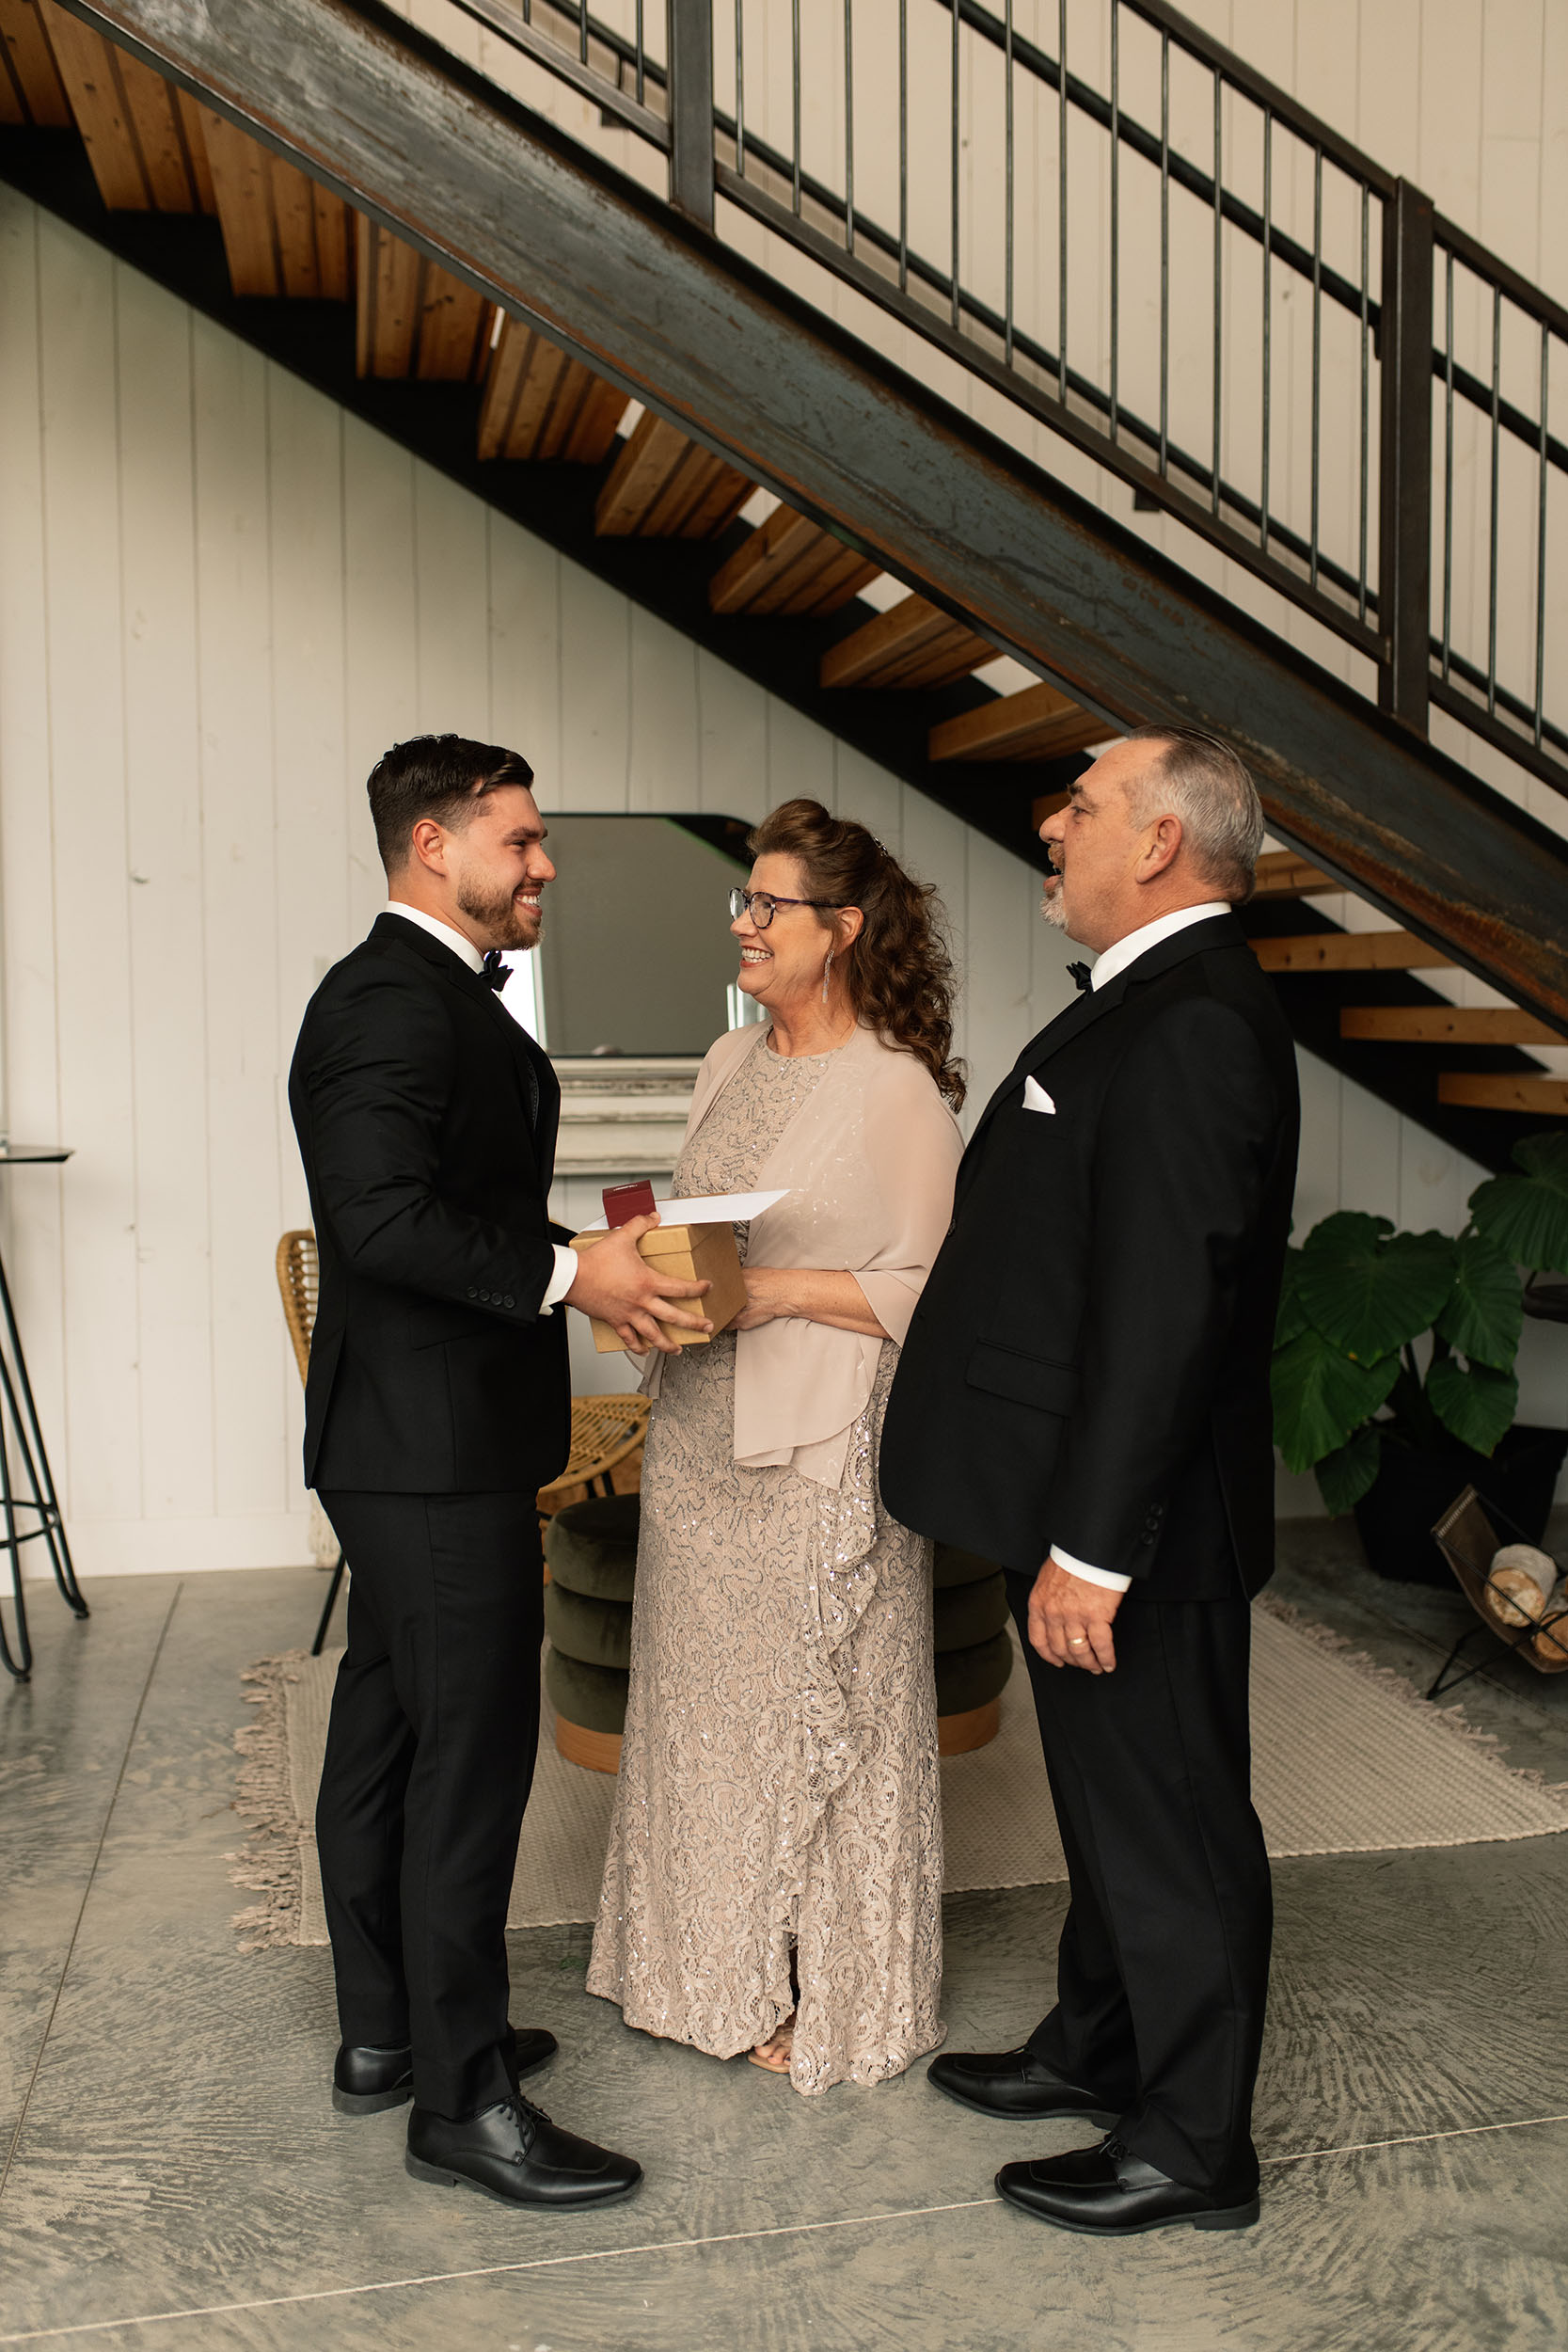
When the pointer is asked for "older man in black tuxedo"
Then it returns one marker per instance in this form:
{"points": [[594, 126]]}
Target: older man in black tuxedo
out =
{"points": [[1085, 1386], [437, 1404]]}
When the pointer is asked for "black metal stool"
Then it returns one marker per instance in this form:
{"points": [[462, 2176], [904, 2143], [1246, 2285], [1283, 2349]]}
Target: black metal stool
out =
{"points": [[27, 1485]]}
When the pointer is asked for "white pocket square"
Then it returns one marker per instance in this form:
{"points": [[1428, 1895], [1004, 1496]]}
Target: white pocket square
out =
{"points": [[1036, 1097]]}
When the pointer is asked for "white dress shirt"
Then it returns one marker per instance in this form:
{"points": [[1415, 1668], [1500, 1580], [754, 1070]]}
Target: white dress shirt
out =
{"points": [[463, 947], [1115, 960]]}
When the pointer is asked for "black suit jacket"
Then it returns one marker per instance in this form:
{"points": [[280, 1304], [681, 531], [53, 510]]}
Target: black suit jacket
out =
{"points": [[427, 1121], [1089, 1364]]}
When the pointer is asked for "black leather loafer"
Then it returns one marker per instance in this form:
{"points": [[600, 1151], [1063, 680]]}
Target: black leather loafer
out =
{"points": [[1107, 2192], [1014, 2084], [514, 2153], [368, 2081]]}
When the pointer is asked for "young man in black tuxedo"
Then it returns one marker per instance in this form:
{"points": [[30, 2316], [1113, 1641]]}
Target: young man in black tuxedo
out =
{"points": [[1086, 1385], [437, 1404]]}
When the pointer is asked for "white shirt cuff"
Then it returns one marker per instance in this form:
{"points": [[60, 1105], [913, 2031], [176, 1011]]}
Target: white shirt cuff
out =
{"points": [[1108, 1577], [566, 1263]]}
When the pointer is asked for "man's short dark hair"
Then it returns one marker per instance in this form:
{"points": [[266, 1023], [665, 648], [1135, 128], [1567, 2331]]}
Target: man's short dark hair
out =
{"points": [[443, 776]]}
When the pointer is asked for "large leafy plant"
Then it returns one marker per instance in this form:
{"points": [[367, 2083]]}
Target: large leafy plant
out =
{"points": [[1357, 1296]]}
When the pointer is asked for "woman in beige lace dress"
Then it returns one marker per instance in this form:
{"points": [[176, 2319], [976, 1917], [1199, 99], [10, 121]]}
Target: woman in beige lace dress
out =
{"points": [[773, 1881]]}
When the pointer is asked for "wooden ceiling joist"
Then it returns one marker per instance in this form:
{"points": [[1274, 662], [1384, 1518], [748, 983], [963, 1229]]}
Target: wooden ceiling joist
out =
{"points": [[664, 487], [912, 644], [1350, 951], [415, 317], [1445, 1024], [792, 568], [142, 135], [1538, 1098], [31, 91], [1037, 723], [539, 405], [281, 233], [1281, 874]]}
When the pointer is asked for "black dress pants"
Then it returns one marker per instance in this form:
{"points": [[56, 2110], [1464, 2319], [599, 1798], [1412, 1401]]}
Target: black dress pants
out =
{"points": [[429, 1759], [1163, 1963]]}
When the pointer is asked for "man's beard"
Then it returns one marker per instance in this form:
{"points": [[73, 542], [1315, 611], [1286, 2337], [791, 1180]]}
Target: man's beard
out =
{"points": [[1052, 909], [498, 915]]}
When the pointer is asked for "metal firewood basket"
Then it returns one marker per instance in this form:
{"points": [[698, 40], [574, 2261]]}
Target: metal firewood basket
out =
{"points": [[1469, 1542]]}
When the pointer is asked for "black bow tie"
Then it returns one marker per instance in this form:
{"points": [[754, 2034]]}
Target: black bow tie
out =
{"points": [[1079, 974], [493, 973]]}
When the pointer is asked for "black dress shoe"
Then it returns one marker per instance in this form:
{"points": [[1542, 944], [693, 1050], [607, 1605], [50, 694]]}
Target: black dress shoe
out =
{"points": [[513, 2151], [368, 2081], [1013, 2082], [1108, 2192]]}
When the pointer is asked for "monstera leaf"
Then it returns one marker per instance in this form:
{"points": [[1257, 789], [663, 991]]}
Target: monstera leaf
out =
{"points": [[1290, 1322], [1344, 1477], [1475, 1406], [1369, 1289], [1527, 1215], [1321, 1396], [1485, 1312]]}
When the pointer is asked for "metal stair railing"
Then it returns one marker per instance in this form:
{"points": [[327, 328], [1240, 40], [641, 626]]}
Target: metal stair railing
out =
{"points": [[1422, 383]]}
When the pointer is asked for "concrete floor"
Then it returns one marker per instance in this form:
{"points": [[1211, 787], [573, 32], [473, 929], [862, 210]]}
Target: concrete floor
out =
{"points": [[175, 2177]]}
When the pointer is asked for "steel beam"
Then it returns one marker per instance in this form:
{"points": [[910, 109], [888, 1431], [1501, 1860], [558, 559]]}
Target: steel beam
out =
{"points": [[372, 108]]}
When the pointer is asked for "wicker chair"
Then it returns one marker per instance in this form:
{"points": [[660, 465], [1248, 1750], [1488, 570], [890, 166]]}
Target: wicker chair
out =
{"points": [[605, 1431], [298, 1275]]}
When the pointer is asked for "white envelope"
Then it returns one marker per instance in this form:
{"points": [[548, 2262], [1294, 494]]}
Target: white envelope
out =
{"points": [[1036, 1097], [717, 1208]]}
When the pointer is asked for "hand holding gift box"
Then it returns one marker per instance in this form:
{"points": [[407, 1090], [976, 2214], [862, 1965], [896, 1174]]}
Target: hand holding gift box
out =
{"points": [[692, 1242]]}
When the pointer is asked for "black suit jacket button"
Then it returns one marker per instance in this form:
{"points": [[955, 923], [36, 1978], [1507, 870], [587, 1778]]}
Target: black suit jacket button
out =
{"points": [[509, 1301], [473, 1294]]}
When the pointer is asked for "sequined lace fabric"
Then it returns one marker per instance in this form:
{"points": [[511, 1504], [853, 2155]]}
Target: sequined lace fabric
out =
{"points": [[779, 1782]]}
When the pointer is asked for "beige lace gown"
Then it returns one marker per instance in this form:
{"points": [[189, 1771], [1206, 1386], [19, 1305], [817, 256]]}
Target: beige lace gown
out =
{"points": [[779, 1780]]}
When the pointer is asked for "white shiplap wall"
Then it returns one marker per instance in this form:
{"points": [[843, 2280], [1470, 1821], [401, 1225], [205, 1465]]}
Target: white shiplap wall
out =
{"points": [[220, 598]]}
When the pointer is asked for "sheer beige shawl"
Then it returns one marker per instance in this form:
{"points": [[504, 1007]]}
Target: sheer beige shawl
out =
{"points": [[867, 1165]]}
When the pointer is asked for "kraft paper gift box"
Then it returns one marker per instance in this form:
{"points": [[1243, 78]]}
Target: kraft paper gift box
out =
{"points": [[692, 1253]]}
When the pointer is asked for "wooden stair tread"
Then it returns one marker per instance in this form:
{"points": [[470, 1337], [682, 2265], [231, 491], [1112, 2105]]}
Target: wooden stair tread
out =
{"points": [[1281, 874], [415, 318], [1542, 1097], [138, 130], [31, 91], [1447, 1025], [1040, 723], [663, 485], [1349, 951], [282, 235], [912, 644], [790, 568], [541, 403]]}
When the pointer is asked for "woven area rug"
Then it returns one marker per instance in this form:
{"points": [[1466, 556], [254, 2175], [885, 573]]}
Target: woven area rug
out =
{"points": [[1347, 1758]]}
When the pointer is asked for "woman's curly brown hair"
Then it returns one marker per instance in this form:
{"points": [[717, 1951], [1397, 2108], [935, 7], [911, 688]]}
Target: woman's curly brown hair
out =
{"points": [[899, 971]]}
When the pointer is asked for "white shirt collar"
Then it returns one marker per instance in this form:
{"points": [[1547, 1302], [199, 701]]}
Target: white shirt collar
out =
{"points": [[1149, 936], [437, 929]]}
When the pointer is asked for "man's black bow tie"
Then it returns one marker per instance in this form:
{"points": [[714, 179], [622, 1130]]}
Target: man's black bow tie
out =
{"points": [[493, 973], [1079, 974]]}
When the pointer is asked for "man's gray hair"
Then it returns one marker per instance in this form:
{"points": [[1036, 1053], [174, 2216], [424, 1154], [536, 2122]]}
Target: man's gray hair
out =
{"points": [[1201, 781]]}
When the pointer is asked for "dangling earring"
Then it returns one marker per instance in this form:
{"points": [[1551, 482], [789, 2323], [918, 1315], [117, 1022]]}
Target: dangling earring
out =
{"points": [[827, 970]]}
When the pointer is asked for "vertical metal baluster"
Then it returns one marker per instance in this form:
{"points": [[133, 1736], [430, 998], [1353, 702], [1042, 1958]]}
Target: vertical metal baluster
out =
{"points": [[1448, 460], [1492, 549], [1007, 199], [1541, 544], [740, 87], [848, 127], [582, 32], [903, 146], [641, 76], [1268, 256], [1165, 250], [1061, 200], [952, 226], [794, 100], [1317, 352], [1366, 249], [1219, 291], [1115, 202]]}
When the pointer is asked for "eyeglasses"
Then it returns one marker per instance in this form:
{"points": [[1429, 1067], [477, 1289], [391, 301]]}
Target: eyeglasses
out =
{"points": [[762, 906]]}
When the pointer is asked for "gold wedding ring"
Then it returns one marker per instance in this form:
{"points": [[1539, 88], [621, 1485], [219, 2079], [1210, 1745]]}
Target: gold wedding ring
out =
{"points": [[1078, 1640]]}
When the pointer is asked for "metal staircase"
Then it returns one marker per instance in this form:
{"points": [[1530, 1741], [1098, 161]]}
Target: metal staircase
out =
{"points": [[389, 211]]}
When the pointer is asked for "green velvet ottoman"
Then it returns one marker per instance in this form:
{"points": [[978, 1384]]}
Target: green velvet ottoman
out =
{"points": [[591, 1554], [975, 1653]]}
